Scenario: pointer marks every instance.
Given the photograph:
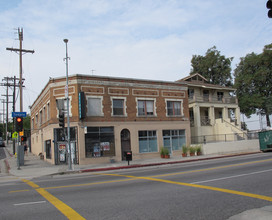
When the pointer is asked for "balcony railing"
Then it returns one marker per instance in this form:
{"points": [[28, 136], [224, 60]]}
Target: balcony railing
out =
{"points": [[213, 99], [205, 121]]}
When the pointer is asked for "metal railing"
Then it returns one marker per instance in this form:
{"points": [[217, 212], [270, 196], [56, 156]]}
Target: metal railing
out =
{"points": [[223, 138]]}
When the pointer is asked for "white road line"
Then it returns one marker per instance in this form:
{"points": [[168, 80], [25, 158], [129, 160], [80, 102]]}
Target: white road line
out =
{"points": [[229, 177], [29, 203]]}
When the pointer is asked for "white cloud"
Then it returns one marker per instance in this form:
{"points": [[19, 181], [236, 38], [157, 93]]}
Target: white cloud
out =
{"points": [[150, 39]]}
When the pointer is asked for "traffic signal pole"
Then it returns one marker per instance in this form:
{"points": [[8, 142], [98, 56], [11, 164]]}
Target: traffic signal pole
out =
{"points": [[67, 110]]}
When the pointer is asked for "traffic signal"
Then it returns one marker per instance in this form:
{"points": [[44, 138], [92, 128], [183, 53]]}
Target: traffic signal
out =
{"points": [[23, 138], [19, 124], [269, 6], [61, 120]]}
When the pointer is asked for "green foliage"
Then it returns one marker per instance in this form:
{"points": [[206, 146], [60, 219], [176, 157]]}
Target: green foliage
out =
{"points": [[192, 149], [198, 148], [184, 149], [253, 81], [164, 151], [214, 67]]}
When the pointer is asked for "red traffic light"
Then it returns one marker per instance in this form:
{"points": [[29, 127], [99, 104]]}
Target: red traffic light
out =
{"points": [[19, 124]]}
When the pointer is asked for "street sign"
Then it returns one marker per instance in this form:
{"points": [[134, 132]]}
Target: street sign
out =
{"points": [[15, 135], [18, 114]]}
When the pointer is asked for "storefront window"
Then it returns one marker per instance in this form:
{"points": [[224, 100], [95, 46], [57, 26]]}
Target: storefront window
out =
{"points": [[99, 142], [148, 141], [174, 139]]}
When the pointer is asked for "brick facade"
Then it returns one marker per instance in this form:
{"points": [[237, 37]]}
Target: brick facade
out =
{"points": [[157, 98]]}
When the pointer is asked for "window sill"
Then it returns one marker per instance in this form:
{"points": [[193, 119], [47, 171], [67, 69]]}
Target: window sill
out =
{"points": [[175, 116], [119, 116]]}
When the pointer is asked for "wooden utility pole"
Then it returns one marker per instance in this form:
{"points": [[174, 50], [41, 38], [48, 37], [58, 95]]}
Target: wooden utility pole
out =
{"points": [[21, 51], [14, 85]]}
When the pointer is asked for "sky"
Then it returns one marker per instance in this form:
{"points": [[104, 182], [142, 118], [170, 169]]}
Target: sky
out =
{"points": [[144, 39]]}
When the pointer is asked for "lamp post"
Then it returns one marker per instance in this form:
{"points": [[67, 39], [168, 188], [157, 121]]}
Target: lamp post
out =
{"points": [[67, 110]]}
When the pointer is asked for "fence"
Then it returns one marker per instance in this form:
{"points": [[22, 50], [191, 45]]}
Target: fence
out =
{"points": [[224, 138]]}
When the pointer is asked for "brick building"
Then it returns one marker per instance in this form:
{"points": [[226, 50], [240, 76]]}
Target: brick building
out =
{"points": [[109, 116]]}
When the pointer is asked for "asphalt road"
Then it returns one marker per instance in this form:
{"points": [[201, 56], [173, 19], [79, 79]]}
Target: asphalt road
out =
{"points": [[212, 189]]}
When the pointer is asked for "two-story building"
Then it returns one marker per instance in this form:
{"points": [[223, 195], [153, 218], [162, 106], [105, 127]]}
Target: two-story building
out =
{"points": [[213, 109], [109, 116]]}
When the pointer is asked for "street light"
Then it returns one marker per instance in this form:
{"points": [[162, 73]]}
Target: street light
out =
{"points": [[67, 111]]}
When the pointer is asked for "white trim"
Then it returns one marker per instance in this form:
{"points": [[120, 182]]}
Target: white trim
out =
{"points": [[147, 90], [146, 99], [101, 109], [61, 94], [93, 87], [121, 89], [125, 106], [181, 107], [70, 106]]}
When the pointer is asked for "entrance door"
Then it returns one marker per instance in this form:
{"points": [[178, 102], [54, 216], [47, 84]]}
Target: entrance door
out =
{"points": [[125, 142]]}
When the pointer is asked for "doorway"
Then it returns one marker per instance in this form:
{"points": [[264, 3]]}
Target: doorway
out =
{"points": [[125, 142]]}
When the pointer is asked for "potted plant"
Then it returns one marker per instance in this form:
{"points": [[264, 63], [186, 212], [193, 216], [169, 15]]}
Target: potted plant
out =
{"points": [[192, 150], [162, 152], [184, 151], [166, 153], [198, 150]]}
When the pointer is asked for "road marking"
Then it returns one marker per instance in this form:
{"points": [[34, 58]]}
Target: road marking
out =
{"points": [[61, 206], [29, 203], [22, 190], [162, 175], [213, 168], [87, 184], [256, 196], [230, 177]]}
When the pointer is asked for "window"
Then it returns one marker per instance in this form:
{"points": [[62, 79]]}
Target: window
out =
{"points": [[48, 111], [62, 104], [146, 107], [36, 119], [32, 123], [174, 139], [191, 93], [44, 119], [206, 95], [95, 106], [174, 108], [148, 141], [118, 107], [48, 149], [99, 142], [40, 116], [220, 96]]}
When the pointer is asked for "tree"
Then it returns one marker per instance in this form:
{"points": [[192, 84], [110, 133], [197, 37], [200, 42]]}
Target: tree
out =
{"points": [[253, 81], [214, 67]]}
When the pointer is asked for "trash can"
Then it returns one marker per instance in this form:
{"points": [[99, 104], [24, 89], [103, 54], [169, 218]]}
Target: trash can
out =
{"points": [[265, 140]]}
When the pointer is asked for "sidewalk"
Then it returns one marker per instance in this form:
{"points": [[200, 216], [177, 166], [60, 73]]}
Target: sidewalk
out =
{"points": [[35, 167]]}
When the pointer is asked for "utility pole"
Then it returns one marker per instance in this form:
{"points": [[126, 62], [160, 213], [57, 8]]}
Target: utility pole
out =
{"points": [[21, 51], [14, 85], [3, 101], [7, 84]]}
